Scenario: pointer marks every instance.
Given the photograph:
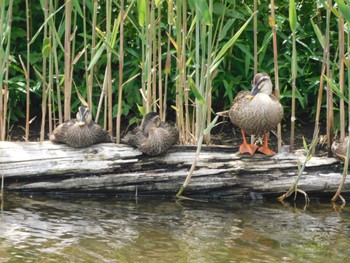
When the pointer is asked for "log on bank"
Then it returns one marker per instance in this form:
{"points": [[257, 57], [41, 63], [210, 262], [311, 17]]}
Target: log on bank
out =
{"points": [[116, 169]]}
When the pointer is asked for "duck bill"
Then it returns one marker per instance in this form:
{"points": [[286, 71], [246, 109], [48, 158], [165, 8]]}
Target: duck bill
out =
{"points": [[254, 91]]}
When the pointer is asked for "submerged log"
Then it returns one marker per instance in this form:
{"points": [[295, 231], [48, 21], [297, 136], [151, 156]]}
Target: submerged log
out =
{"points": [[117, 169]]}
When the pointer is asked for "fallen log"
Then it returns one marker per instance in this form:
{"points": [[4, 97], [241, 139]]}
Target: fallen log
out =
{"points": [[116, 169]]}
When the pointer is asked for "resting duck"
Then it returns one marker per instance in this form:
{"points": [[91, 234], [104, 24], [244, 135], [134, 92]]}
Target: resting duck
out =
{"points": [[154, 136], [339, 148], [256, 112], [80, 132]]}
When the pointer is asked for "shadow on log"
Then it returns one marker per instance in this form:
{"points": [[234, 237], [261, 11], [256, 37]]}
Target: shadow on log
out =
{"points": [[117, 170]]}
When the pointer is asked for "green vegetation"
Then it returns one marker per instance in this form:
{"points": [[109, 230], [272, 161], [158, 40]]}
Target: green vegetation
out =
{"points": [[183, 59]]}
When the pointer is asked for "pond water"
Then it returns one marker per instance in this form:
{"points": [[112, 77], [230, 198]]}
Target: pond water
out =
{"points": [[53, 229]]}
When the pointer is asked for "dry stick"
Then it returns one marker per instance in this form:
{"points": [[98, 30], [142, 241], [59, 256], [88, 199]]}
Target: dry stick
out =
{"points": [[121, 65], [329, 88], [26, 72], [275, 62], [67, 60], [341, 76]]}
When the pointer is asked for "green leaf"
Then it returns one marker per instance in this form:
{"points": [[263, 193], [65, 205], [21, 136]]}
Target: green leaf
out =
{"points": [[230, 42], [203, 10], [142, 109], [141, 9], [319, 35], [78, 8], [292, 16], [227, 26], [335, 89], [211, 125], [305, 144], [195, 91], [97, 56], [344, 9]]}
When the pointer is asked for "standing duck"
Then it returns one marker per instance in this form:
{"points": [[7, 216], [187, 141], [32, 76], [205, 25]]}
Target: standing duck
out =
{"points": [[256, 112], [80, 132], [154, 136]]}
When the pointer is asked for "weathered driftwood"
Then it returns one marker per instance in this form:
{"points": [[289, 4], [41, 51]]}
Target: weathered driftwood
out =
{"points": [[122, 170]]}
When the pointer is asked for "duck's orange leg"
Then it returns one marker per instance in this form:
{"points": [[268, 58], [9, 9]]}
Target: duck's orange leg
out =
{"points": [[247, 148], [265, 149]]}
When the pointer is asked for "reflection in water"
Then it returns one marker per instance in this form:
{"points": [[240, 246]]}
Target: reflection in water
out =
{"points": [[43, 229]]}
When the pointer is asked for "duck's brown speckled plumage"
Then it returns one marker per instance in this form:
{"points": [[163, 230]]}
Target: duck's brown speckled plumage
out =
{"points": [[153, 137], [258, 115], [80, 132], [339, 148]]}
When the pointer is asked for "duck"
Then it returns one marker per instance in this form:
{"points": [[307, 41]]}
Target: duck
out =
{"points": [[80, 132], [153, 136], [256, 112], [339, 148]]}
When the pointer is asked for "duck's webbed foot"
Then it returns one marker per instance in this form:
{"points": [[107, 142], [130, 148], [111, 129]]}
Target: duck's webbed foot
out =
{"points": [[266, 150], [247, 148]]}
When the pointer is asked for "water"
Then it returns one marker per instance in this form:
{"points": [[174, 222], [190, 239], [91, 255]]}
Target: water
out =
{"points": [[52, 229]]}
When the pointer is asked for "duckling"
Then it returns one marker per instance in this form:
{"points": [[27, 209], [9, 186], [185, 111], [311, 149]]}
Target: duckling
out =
{"points": [[80, 132], [154, 136], [256, 112], [339, 148]]}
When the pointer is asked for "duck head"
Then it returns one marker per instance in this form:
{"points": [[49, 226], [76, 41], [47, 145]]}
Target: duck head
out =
{"points": [[84, 116], [150, 121], [261, 84]]}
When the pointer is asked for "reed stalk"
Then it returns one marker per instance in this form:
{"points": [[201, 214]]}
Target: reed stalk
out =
{"points": [[5, 37], [109, 66], [255, 33], [337, 195], [93, 47], [44, 65], [160, 74], [329, 88], [275, 63], [56, 66], [293, 26], [27, 71], [179, 83], [121, 65], [67, 60], [167, 65], [341, 75], [86, 64]]}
